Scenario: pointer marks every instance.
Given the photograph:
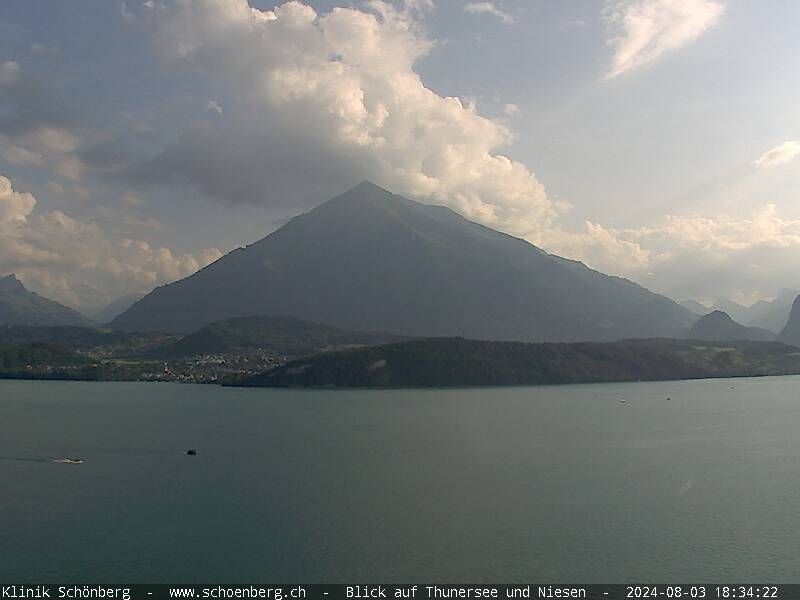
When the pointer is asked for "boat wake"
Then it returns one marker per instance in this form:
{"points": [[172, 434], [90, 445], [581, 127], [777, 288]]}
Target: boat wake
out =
{"points": [[25, 459]]}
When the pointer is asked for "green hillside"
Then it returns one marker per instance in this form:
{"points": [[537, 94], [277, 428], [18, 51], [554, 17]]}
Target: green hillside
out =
{"points": [[444, 362], [103, 341], [14, 358], [278, 335]]}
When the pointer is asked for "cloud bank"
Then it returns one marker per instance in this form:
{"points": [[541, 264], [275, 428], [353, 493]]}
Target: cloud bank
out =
{"points": [[697, 257], [303, 104], [34, 129], [75, 262], [330, 99], [643, 30], [327, 99]]}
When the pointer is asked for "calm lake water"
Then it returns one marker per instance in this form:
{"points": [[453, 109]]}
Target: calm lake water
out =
{"points": [[554, 484]]}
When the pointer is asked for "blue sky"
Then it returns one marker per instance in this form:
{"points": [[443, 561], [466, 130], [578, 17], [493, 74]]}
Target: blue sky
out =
{"points": [[140, 140]]}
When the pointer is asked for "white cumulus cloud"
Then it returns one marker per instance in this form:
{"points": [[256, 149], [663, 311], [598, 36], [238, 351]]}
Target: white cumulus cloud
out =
{"points": [[340, 85], [14, 206], [644, 30], [779, 155], [489, 8], [76, 262], [696, 256]]}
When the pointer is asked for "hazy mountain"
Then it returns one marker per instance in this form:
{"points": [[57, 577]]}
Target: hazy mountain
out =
{"points": [[718, 326], [274, 334], [445, 362], [766, 314], [116, 308], [373, 261], [695, 307], [18, 306], [791, 332], [737, 312], [774, 314]]}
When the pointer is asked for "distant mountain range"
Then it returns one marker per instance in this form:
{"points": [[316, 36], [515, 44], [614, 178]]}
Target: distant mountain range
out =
{"points": [[18, 306], [765, 314], [287, 336], [718, 326], [774, 314], [370, 260], [458, 362], [695, 307], [116, 308]]}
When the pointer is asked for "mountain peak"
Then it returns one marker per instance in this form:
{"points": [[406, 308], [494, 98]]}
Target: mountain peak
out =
{"points": [[719, 315], [18, 306], [719, 326], [366, 191], [368, 186], [371, 260], [362, 200], [10, 283], [724, 304]]}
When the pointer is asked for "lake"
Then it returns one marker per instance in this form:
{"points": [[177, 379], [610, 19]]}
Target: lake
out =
{"points": [[550, 484]]}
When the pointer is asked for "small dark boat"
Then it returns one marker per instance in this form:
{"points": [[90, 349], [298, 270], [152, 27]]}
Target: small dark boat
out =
{"points": [[191, 452]]}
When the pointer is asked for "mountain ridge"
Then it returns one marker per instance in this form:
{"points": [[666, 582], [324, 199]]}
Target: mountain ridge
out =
{"points": [[719, 326], [764, 314], [277, 334], [19, 306], [116, 307], [370, 260]]}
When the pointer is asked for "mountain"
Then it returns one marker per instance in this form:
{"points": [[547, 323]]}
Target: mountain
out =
{"points": [[370, 260], [287, 336], [458, 362], [117, 307], [766, 314], [737, 312], [18, 306], [695, 307], [774, 314], [791, 332], [718, 326]]}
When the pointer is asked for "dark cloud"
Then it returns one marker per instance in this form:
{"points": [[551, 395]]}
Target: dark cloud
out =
{"points": [[27, 104], [239, 160]]}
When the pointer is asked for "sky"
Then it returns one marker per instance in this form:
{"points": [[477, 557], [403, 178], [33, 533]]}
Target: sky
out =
{"points": [[657, 140]]}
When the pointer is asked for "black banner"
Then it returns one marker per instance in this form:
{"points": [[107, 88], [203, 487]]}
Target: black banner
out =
{"points": [[394, 591]]}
